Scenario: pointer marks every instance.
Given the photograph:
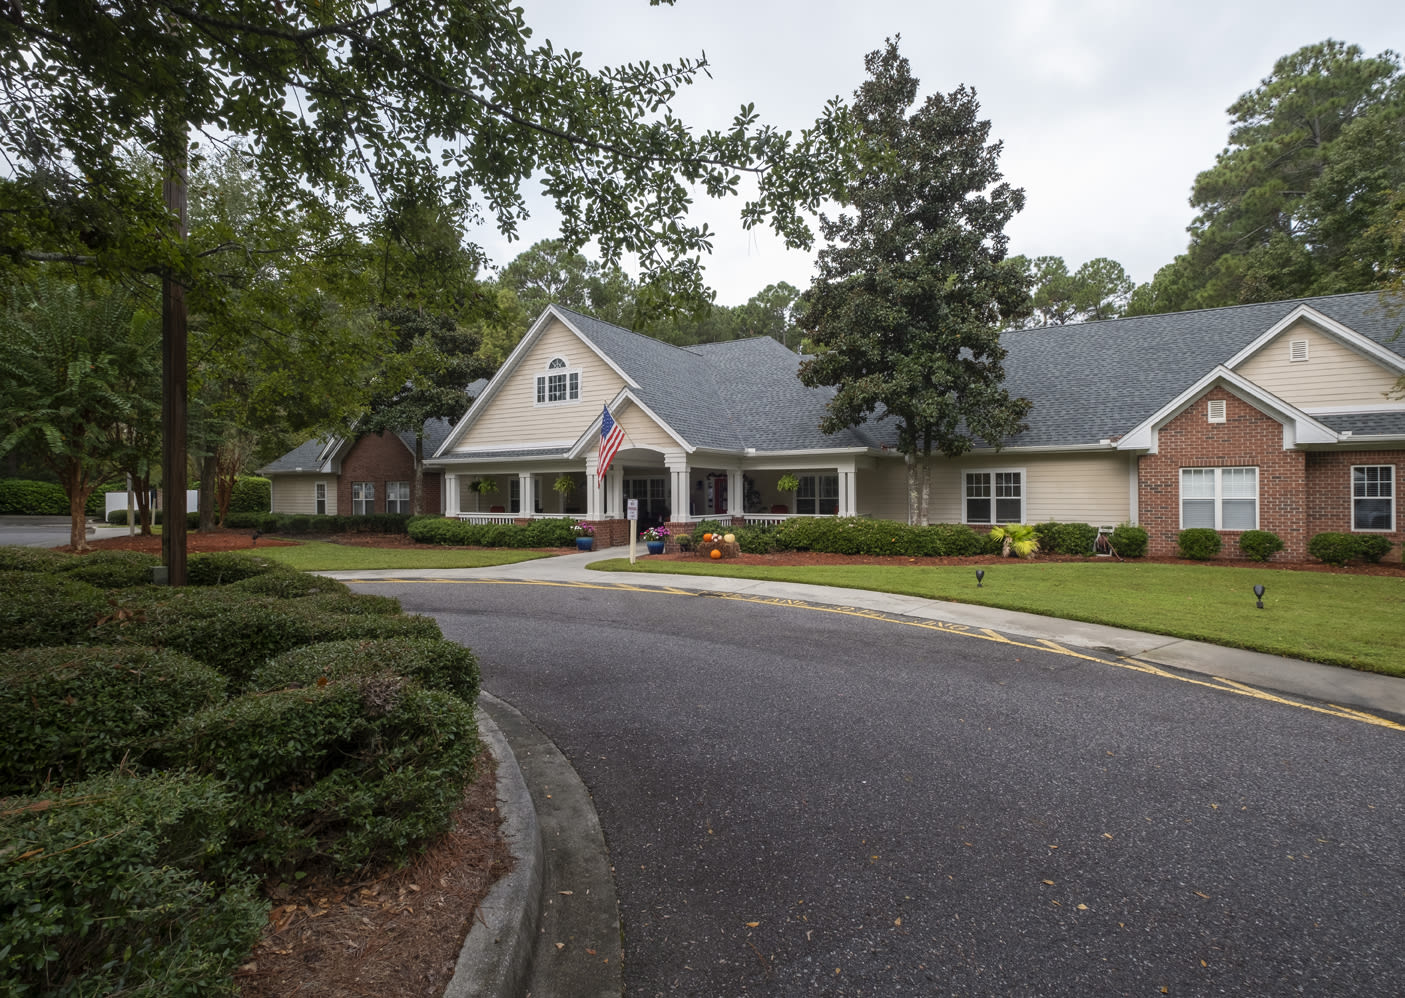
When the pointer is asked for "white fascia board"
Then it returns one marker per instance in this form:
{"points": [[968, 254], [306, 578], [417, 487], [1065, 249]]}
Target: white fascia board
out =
{"points": [[756, 454], [1342, 410], [1039, 449], [1345, 334], [1298, 427]]}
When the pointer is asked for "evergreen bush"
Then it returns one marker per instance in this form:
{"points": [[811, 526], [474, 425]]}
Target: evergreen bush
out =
{"points": [[21, 497], [1372, 547], [38, 610], [113, 569], [1198, 543], [1259, 545], [74, 712], [1129, 541], [251, 494], [1333, 548], [433, 663]]}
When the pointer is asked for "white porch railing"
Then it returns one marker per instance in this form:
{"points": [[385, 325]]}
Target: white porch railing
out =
{"points": [[492, 517]]}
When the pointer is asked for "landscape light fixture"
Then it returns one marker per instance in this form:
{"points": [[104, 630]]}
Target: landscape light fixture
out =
{"points": [[980, 574], [1259, 596]]}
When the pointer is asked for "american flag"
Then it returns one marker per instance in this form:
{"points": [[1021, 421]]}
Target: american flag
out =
{"points": [[611, 436]]}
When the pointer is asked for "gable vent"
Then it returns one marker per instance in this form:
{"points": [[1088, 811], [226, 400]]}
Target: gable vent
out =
{"points": [[1297, 350], [1216, 413]]}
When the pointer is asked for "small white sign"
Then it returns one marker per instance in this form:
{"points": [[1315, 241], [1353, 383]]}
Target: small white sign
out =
{"points": [[633, 509]]}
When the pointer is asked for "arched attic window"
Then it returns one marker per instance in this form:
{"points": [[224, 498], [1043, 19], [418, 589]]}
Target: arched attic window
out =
{"points": [[560, 384]]}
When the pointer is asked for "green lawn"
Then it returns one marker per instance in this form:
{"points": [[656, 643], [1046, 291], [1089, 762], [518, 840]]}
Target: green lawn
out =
{"points": [[1352, 620], [321, 556]]}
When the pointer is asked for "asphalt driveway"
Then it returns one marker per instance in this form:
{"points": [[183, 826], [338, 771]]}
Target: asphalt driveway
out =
{"points": [[800, 803]]}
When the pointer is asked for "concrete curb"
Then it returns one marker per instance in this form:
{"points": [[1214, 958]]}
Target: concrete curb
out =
{"points": [[496, 959]]}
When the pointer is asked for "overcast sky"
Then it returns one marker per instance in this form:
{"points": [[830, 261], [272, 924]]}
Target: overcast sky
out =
{"points": [[1107, 110]]}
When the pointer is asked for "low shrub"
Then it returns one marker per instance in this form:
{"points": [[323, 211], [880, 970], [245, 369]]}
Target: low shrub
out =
{"points": [[859, 535], [18, 559], [1129, 541], [287, 583], [39, 610], [220, 568], [236, 632], [21, 497], [552, 532], [246, 521], [1066, 538], [108, 888], [1259, 545], [361, 770], [118, 518], [1333, 548], [1372, 547], [435, 664], [73, 712], [113, 569], [1198, 543]]}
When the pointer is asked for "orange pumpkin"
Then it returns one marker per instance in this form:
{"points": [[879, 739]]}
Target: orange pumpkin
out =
{"points": [[707, 538], [716, 552]]}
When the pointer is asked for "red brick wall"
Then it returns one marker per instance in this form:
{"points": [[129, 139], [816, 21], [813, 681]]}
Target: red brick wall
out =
{"points": [[383, 458], [1329, 490], [1248, 438]]}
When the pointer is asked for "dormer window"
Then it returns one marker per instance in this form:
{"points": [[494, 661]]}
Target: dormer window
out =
{"points": [[559, 384]]}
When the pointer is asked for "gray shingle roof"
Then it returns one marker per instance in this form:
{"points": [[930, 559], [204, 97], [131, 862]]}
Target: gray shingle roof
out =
{"points": [[1367, 424], [1101, 379], [304, 457]]}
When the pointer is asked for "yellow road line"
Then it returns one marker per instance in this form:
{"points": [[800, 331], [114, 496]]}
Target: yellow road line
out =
{"points": [[946, 627]]}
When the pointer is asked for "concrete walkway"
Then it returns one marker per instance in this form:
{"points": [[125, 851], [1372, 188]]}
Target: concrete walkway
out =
{"points": [[556, 839]]}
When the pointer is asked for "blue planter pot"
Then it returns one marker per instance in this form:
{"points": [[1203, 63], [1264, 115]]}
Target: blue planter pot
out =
{"points": [[655, 547], [585, 543]]}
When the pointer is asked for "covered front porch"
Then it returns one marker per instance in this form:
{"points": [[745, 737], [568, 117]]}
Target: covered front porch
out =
{"points": [[671, 487]]}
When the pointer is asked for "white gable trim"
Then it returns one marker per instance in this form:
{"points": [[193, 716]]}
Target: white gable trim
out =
{"points": [[592, 434], [1347, 336], [1298, 427], [514, 360]]}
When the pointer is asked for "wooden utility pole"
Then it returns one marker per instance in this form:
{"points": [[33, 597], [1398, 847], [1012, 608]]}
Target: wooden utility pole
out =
{"points": [[174, 369]]}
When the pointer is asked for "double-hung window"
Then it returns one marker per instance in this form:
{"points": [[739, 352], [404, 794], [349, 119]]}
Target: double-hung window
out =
{"points": [[559, 384], [1373, 497], [319, 491], [397, 497], [363, 498], [994, 497], [817, 495], [1220, 498]]}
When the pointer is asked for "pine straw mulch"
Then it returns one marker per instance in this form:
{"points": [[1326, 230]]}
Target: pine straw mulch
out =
{"points": [[393, 934]]}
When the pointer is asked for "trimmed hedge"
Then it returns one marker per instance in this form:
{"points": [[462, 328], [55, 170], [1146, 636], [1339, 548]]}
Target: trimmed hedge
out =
{"points": [[1066, 538], [543, 533], [1259, 545], [855, 535], [220, 568], [1129, 541], [118, 518], [287, 583], [237, 635], [433, 664], [1338, 549], [74, 712], [359, 771], [106, 888], [22, 497], [113, 569], [304, 523], [1198, 543], [38, 610], [18, 559]]}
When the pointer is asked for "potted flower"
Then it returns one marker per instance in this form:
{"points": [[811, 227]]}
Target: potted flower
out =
{"points": [[585, 536], [564, 484], [653, 538]]}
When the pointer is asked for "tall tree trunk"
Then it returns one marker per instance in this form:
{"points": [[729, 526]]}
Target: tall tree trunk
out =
{"points": [[209, 482], [78, 488], [909, 459], [924, 479], [173, 367]]}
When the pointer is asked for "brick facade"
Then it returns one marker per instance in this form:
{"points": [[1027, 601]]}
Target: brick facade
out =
{"points": [[1329, 490], [1247, 438], [382, 458]]}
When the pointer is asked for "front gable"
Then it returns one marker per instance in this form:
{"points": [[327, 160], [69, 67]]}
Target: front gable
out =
{"points": [[546, 393], [1298, 427], [1316, 363], [642, 429]]}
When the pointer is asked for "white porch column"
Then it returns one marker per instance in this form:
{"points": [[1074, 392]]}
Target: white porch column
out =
{"points": [[614, 494], [451, 495], [527, 504], [594, 495], [736, 502], [848, 492], [679, 489]]}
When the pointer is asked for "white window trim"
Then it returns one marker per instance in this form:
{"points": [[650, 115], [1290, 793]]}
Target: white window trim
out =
{"points": [[1219, 495], [368, 496], [992, 472], [319, 498], [816, 477], [1394, 488], [540, 384], [389, 498]]}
